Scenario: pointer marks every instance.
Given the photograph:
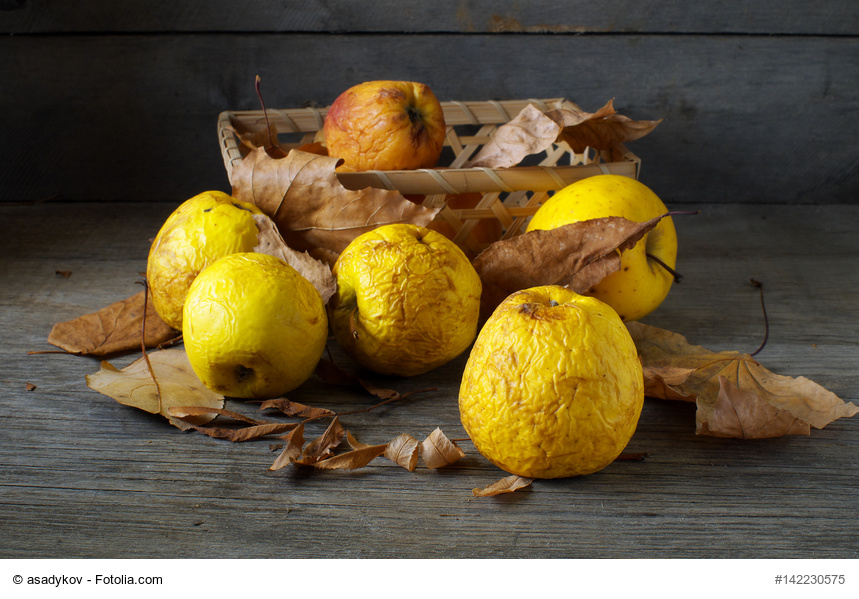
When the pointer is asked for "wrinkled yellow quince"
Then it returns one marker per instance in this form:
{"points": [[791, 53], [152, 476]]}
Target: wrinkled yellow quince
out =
{"points": [[553, 386], [253, 326], [201, 230], [407, 300]]}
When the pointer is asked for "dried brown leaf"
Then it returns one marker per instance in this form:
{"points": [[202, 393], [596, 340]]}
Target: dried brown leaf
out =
{"points": [[530, 132], [601, 130], [734, 393], [578, 255], [292, 450], [271, 242], [113, 329], [507, 484], [360, 456], [293, 409], [745, 415], [310, 207], [323, 446], [177, 385], [246, 433], [438, 451], [404, 451]]}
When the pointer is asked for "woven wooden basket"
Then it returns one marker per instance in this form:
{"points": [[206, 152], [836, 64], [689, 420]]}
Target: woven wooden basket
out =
{"points": [[509, 195]]}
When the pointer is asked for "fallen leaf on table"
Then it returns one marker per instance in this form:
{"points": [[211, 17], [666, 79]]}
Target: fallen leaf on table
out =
{"points": [[317, 272], [533, 131], [438, 451], [735, 395], [113, 329], [253, 429], [292, 450], [404, 451], [323, 446], [507, 484], [360, 456], [310, 207], [177, 386], [577, 256], [294, 409]]}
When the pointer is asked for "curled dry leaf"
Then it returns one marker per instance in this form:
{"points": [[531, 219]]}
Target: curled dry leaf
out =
{"points": [[292, 449], [310, 207], [360, 456], [438, 451], [177, 386], [507, 484], [293, 409], [601, 130], [578, 256], [533, 131], [271, 242], [404, 451], [735, 395], [323, 446], [113, 329]]}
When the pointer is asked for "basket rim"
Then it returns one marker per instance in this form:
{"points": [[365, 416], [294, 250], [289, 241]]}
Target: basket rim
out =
{"points": [[439, 180]]}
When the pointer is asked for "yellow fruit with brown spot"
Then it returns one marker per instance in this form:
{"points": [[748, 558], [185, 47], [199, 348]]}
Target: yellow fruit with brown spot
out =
{"points": [[642, 283], [553, 386], [201, 230], [407, 300], [253, 326]]}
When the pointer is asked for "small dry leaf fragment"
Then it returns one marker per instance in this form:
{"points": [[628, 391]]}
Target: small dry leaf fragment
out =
{"points": [[292, 449], [64, 273], [438, 451], [577, 255], [177, 386], [310, 207], [293, 409], [113, 329], [507, 484], [735, 394], [404, 451], [271, 242], [31, 387]]}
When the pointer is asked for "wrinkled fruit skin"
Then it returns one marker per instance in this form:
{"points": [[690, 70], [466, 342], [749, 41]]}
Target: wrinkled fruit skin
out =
{"points": [[201, 230], [407, 300], [386, 125], [553, 386], [641, 284], [253, 326]]}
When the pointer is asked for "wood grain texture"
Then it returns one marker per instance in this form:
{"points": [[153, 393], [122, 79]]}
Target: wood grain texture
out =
{"points": [[837, 17], [82, 476], [133, 117]]}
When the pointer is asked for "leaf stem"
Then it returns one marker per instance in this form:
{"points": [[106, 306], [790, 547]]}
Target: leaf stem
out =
{"points": [[677, 276], [760, 286], [264, 111]]}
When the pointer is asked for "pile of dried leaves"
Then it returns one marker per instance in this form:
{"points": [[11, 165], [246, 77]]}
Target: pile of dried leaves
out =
{"points": [[311, 218]]}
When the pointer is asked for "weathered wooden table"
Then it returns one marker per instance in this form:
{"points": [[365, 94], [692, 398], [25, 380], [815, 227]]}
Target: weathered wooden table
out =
{"points": [[82, 476]]}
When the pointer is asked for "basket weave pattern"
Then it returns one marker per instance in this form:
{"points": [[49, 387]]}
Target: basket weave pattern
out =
{"points": [[509, 195]]}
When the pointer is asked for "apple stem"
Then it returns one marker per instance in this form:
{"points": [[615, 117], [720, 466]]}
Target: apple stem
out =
{"points": [[760, 286], [677, 276], [264, 111]]}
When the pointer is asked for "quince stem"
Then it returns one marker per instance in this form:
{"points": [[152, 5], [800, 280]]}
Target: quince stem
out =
{"points": [[677, 276]]}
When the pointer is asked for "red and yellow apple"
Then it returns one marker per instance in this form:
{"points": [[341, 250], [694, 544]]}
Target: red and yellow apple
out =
{"points": [[386, 125], [646, 270]]}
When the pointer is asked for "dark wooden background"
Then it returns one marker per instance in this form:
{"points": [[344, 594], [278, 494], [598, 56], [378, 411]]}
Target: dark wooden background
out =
{"points": [[118, 101]]}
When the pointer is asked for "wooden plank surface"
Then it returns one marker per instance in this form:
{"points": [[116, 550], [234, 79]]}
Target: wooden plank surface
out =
{"points": [[82, 476], [834, 17], [133, 117]]}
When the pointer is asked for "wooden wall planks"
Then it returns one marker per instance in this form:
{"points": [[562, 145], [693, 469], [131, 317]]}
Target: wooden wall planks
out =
{"points": [[111, 104]]}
